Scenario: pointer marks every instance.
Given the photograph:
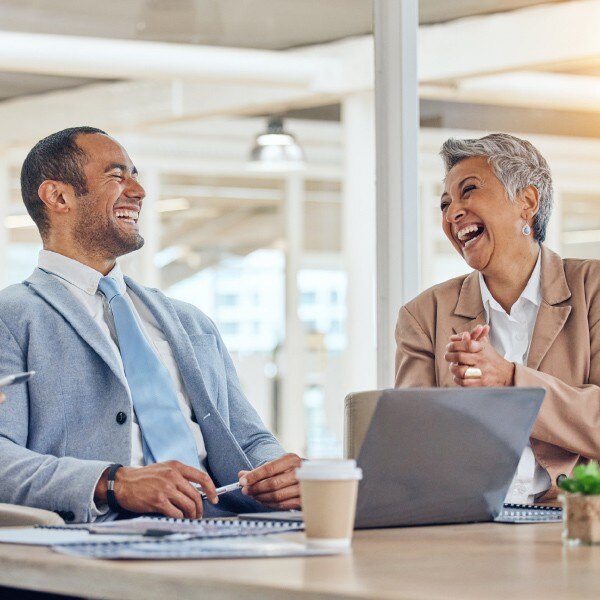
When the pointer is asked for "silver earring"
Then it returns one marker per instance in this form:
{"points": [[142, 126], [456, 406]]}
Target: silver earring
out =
{"points": [[526, 229]]}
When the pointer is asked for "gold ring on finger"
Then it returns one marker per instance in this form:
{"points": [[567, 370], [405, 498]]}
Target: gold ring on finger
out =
{"points": [[472, 373]]}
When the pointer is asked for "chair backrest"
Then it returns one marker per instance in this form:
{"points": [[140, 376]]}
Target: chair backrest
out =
{"points": [[12, 515], [358, 412]]}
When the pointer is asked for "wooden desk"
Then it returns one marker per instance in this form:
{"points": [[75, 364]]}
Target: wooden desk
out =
{"points": [[481, 561]]}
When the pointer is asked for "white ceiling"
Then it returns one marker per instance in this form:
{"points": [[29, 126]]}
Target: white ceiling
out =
{"points": [[269, 24], [266, 24]]}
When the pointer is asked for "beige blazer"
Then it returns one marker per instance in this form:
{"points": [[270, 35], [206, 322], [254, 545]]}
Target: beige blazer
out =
{"points": [[564, 356]]}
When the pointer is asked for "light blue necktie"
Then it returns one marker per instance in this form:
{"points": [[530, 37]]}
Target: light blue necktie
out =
{"points": [[165, 433]]}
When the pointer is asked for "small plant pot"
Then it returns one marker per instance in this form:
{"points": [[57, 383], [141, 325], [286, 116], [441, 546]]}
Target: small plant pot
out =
{"points": [[581, 518]]}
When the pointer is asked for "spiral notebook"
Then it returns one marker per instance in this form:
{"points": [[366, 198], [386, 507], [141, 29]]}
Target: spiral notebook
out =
{"points": [[168, 549], [162, 526], [510, 513], [140, 529], [529, 513], [51, 536], [204, 529]]}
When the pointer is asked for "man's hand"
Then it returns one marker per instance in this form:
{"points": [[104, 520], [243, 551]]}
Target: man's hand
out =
{"points": [[2, 398], [475, 350], [160, 488], [274, 484]]}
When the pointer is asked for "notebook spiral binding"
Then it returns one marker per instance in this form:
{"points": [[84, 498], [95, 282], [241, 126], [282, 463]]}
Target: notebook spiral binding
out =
{"points": [[534, 507], [68, 527], [201, 523], [231, 523]]}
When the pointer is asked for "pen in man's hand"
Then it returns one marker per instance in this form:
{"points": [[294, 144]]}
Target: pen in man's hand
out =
{"points": [[222, 490]]}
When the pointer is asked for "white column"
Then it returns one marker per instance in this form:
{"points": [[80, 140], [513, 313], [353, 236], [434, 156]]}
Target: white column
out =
{"points": [[142, 266], [358, 214], [428, 234], [397, 125], [4, 209], [292, 432], [555, 225]]}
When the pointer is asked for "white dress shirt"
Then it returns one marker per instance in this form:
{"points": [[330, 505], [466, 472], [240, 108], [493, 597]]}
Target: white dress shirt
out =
{"points": [[82, 282], [510, 335]]}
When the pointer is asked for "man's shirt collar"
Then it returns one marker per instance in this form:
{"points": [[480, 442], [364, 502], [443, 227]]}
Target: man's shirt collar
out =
{"points": [[81, 276]]}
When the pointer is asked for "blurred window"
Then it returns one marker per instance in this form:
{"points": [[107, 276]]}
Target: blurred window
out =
{"points": [[308, 298], [229, 328], [227, 300]]}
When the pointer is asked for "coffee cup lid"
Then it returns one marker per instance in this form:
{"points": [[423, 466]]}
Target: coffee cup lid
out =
{"points": [[329, 469]]}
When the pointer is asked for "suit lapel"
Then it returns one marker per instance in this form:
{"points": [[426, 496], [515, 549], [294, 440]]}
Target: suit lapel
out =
{"points": [[221, 459], [551, 318], [469, 311], [181, 346], [56, 295]]}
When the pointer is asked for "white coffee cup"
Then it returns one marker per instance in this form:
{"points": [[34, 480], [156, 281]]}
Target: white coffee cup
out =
{"points": [[328, 489]]}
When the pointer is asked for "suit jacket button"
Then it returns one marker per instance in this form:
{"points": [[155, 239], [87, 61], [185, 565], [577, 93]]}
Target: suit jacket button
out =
{"points": [[69, 516], [121, 418], [560, 478]]}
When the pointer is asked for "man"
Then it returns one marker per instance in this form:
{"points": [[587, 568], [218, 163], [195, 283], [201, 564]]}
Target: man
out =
{"points": [[124, 375]]}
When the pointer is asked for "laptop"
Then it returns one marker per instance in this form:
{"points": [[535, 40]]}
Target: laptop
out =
{"points": [[439, 455]]}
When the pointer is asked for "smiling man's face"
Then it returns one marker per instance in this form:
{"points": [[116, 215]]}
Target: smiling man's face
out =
{"points": [[478, 218], [105, 219]]}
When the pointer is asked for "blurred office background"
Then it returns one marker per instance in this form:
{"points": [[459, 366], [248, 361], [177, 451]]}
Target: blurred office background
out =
{"points": [[274, 236]]}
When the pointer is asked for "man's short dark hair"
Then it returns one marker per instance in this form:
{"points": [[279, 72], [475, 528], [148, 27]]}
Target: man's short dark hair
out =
{"points": [[56, 157]]}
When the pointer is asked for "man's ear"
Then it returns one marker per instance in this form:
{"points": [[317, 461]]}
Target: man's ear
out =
{"points": [[55, 196], [530, 202]]}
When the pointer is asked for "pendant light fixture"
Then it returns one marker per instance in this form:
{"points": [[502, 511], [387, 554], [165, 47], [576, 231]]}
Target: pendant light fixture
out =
{"points": [[276, 150]]}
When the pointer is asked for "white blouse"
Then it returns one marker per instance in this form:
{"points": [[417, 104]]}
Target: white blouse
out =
{"points": [[510, 335]]}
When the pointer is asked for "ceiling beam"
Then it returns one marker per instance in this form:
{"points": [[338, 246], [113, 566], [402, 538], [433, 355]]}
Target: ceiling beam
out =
{"points": [[542, 90], [226, 194], [139, 105], [205, 233], [111, 58], [530, 38], [260, 229]]}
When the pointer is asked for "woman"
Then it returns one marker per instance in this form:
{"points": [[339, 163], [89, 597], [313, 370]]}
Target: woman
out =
{"points": [[523, 317]]}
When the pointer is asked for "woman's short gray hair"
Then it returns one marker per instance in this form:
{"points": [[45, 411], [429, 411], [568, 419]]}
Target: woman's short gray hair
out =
{"points": [[516, 163]]}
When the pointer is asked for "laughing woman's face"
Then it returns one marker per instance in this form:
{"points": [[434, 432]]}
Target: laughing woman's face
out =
{"points": [[478, 218]]}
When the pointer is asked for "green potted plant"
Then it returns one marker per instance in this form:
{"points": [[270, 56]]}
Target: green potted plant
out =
{"points": [[581, 504]]}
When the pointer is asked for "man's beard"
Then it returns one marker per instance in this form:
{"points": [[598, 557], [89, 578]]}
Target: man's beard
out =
{"points": [[105, 239]]}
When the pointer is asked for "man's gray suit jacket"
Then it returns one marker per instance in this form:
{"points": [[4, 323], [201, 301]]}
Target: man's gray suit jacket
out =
{"points": [[59, 432]]}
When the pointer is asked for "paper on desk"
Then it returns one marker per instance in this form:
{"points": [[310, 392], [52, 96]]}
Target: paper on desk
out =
{"points": [[166, 548], [38, 536]]}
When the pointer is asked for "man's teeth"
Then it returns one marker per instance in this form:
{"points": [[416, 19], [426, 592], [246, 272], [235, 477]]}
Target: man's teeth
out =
{"points": [[466, 230], [127, 214]]}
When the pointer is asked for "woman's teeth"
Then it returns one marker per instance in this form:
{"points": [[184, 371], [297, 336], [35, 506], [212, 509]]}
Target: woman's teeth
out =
{"points": [[469, 242], [467, 235]]}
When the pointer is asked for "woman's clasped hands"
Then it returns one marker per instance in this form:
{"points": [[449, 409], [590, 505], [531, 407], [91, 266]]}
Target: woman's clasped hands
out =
{"points": [[468, 352]]}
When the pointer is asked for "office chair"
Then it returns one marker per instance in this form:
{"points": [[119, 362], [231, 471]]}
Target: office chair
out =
{"points": [[358, 412], [12, 515]]}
